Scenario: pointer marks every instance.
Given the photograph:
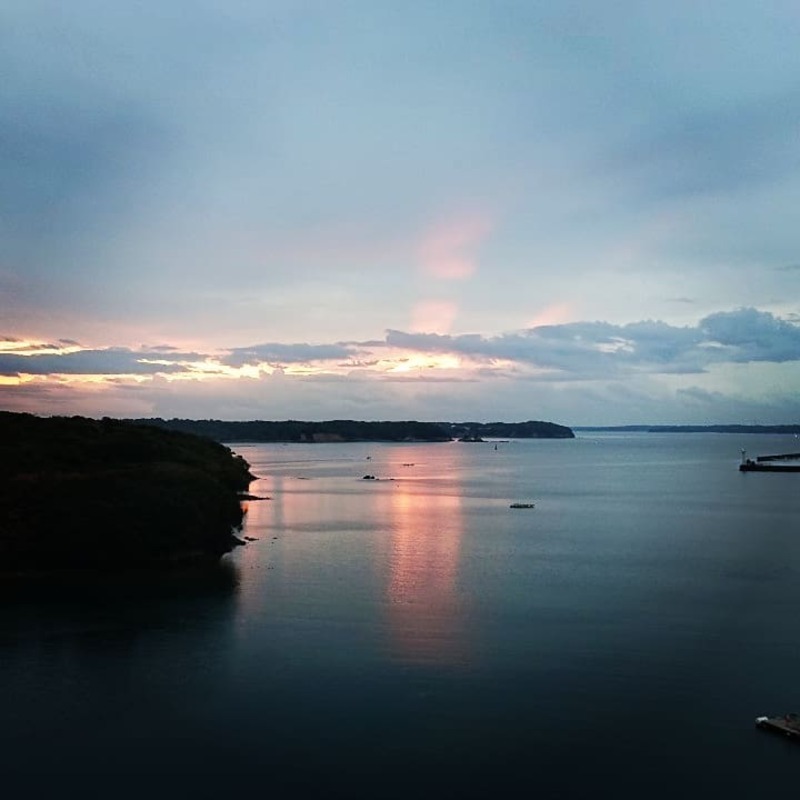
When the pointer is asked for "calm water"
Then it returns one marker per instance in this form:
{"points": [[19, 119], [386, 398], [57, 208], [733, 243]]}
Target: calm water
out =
{"points": [[415, 636]]}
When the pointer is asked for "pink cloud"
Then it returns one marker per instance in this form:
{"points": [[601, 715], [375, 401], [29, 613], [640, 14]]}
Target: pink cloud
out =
{"points": [[555, 314], [433, 316], [448, 250]]}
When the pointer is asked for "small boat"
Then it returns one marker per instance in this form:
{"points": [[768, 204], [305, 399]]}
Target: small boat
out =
{"points": [[521, 505], [787, 725]]}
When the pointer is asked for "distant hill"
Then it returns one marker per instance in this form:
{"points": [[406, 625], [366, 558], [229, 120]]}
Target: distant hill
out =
{"points": [[84, 493], [357, 431], [790, 429], [339, 430]]}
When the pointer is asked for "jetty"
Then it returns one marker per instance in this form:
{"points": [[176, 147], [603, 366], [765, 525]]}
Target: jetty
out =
{"points": [[780, 457], [788, 725], [782, 462]]}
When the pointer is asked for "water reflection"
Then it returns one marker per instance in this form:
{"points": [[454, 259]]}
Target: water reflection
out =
{"points": [[276, 562], [252, 559], [374, 560], [117, 605], [425, 613], [111, 672]]}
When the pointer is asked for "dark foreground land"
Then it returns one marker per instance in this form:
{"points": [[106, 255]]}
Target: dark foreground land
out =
{"points": [[80, 493]]}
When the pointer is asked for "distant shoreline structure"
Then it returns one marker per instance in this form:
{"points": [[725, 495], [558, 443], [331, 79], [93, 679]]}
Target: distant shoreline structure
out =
{"points": [[780, 462], [783, 429]]}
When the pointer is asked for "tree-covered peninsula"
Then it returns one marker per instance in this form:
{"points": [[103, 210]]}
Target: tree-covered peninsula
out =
{"points": [[79, 493], [348, 430], [532, 429], [336, 430]]}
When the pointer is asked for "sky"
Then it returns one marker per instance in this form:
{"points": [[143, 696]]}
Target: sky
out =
{"points": [[573, 211]]}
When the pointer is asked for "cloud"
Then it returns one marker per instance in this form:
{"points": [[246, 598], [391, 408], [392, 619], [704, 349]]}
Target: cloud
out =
{"points": [[570, 351], [109, 361], [590, 372], [448, 249], [434, 315], [161, 348], [12, 344], [752, 335], [717, 150], [602, 349], [279, 353]]}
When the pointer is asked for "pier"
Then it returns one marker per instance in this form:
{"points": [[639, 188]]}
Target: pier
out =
{"points": [[787, 725], [774, 463], [783, 457]]}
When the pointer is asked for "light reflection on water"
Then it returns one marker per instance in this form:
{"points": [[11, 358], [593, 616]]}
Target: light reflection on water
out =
{"points": [[403, 530], [412, 635], [425, 613]]}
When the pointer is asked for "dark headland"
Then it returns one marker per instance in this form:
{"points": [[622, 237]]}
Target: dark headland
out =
{"points": [[78, 493], [347, 430]]}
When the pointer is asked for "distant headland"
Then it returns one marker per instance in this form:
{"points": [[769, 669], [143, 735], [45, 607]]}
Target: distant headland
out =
{"points": [[342, 430], [79, 493], [790, 429]]}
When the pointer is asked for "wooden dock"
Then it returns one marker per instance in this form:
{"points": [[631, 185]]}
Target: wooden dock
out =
{"points": [[787, 725]]}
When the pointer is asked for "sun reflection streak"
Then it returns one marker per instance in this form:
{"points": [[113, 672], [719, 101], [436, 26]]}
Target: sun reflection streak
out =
{"points": [[424, 607]]}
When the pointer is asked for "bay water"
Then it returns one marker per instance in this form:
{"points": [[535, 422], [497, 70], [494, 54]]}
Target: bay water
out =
{"points": [[411, 634]]}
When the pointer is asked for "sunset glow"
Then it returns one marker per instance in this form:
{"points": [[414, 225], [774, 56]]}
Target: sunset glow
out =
{"points": [[410, 363], [323, 209], [433, 316], [449, 249], [556, 314]]}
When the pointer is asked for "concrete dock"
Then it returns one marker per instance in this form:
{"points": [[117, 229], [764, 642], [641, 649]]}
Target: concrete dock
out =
{"points": [[787, 725], [761, 466], [775, 463]]}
